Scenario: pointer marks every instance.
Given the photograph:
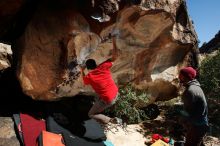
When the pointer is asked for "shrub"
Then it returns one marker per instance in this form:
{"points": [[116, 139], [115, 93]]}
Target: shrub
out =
{"points": [[210, 75], [126, 105]]}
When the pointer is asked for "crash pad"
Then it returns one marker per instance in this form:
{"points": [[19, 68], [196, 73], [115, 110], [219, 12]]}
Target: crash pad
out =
{"points": [[160, 143]]}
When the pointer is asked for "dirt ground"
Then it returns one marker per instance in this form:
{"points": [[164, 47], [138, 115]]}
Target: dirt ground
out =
{"points": [[165, 124], [140, 134]]}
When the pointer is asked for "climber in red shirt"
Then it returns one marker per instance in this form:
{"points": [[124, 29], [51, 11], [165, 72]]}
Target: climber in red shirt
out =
{"points": [[99, 77]]}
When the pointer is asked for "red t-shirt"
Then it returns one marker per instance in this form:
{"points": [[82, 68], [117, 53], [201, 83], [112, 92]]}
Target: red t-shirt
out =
{"points": [[101, 81]]}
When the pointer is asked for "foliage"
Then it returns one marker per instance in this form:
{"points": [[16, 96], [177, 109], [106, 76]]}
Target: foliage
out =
{"points": [[126, 105], [210, 75]]}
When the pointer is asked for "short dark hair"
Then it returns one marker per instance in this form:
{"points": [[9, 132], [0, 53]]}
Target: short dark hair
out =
{"points": [[91, 64]]}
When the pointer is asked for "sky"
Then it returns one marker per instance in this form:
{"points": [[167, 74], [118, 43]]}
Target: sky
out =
{"points": [[206, 17]]}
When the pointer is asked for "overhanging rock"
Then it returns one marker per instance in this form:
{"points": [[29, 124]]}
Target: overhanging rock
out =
{"points": [[153, 39]]}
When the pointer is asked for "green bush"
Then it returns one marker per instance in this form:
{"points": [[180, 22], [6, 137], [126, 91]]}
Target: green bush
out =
{"points": [[126, 105], [210, 76]]}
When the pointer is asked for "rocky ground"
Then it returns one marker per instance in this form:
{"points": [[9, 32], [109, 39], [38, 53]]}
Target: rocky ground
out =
{"points": [[140, 135], [7, 133], [130, 135]]}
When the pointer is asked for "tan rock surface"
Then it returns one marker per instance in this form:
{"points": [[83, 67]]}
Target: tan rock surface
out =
{"points": [[5, 56], [129, 137], [153, 39]]}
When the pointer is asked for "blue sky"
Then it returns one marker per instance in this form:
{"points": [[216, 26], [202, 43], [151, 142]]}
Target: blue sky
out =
{"points": [[206, 17]]}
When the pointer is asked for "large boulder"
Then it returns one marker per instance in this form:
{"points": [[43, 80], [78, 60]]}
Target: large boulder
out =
{"points": [[153, 40]]}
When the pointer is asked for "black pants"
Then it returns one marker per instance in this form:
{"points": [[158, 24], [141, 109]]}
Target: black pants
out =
{"points": [[195, 135]]}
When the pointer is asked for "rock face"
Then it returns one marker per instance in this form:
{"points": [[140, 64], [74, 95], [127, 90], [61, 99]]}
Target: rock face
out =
{"points": [[5, 56], [153, 39], [212, 45]]}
